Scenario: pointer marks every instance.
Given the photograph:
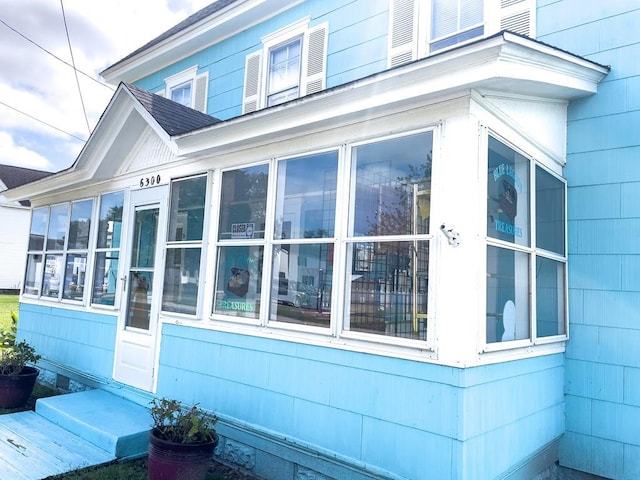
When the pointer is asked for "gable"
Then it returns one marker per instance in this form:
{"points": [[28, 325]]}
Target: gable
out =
{"points": [[149, 151]]}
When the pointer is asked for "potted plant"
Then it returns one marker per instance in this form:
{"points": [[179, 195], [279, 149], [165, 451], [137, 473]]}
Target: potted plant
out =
{"points": [[17, 379], [181, 441]]}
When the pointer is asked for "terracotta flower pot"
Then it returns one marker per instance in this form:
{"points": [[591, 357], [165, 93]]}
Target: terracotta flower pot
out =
{"points": [[16, 389], [173, 461]]}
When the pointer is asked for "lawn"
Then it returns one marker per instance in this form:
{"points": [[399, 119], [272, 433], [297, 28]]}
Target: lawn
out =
{"points": [[8, 303]]}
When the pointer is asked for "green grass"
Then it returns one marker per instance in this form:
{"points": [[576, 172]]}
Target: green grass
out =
{"points": [[8, 303]]}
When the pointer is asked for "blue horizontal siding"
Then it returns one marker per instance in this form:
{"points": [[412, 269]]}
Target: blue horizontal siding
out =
{"points": [[603, 167], [372, 409], [593, 454], [75, 338]]}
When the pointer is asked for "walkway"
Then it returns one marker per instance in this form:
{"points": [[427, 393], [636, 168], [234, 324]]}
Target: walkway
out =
{"points": [[72, 431]]}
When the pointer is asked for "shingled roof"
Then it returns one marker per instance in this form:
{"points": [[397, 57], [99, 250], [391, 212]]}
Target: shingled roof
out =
{"points": [[13, 176], [187, 22], [173, 117]]}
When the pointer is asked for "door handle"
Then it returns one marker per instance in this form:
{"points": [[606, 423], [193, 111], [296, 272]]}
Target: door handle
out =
{"points": [[124, 283]]}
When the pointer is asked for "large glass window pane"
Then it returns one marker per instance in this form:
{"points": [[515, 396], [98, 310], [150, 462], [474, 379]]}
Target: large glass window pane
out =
{"points": [[306, 197], [74, 276], [243, 205], [302, 284], [52, 275], [186, 218], [105, 278], [388, 284], [80, 225], [33, 275], [508, 309], [143, 251], [507, 194], [110, 222], [392, 186], [238, 281], [38, 228], [550, 293], [550, 212], [139, 300], [58, 223], [181, 275]]}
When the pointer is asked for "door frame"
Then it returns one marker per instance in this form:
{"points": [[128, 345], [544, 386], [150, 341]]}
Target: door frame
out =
{"points": [[136, 349]]}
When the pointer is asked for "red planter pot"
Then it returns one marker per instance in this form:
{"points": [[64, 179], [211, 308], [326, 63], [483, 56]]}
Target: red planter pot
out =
{"points": [[16, 389], [173, 461]]}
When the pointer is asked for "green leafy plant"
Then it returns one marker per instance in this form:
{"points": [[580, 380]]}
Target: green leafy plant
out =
{"points": [[174, 422], [14, 356], [8, 337], [13, 359]]}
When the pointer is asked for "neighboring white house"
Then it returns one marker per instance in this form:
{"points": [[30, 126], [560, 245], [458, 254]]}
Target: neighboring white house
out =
{"points": [[15, 218]]}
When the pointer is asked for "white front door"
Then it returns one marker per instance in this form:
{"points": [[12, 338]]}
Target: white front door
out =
{"points": [[136, 341]]}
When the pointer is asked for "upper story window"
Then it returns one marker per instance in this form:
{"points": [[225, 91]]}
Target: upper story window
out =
{"points": [[525, 249], [283, 82], [418, 28], [58, 248], [188, 88], [290, 64]]}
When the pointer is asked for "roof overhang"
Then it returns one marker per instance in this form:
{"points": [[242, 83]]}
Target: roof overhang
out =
{"points": [[505, 63], [223, 24], [118, 129]]}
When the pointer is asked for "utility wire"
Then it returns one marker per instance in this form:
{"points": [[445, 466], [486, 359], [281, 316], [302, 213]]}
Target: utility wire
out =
{"points": [[55, 56], [42, 121], [75, 70]]}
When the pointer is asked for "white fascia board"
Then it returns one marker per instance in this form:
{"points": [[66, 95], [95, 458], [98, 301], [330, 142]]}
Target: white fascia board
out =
{"points": [[221, 25], [503, 63], [87, 169]]}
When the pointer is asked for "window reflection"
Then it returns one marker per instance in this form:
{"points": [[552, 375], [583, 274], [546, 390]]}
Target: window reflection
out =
{"points": [[74, 276], [302, 283], [58, 216], [239, 281], [393, 186], [105, 278], [80, 225], [244, 198]]}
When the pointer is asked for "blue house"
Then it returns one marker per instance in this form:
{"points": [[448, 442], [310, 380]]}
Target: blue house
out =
{"points": [[379, 238]]}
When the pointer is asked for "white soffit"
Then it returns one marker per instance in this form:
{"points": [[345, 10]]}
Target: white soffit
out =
{"points": [[504, 63]]}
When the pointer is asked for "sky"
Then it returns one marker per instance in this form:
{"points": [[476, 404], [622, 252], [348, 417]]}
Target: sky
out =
{"points": [[43, 125]]}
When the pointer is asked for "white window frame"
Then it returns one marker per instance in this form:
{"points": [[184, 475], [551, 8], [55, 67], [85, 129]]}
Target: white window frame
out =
{"points": [[313, 62], [340, 242], [532, 251], [409, 31], [199, 86]]}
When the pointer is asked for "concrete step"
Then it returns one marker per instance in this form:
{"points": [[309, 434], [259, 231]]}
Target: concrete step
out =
{"points": [[118, 426], [32, 448]]}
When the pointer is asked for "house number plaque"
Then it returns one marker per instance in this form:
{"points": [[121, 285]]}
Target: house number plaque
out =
{"points": [[150, 181]]}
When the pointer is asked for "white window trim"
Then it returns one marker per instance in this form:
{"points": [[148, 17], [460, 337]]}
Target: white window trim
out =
{"points": [[199, 86], [312, 73], [411, 41], [500, 350]]}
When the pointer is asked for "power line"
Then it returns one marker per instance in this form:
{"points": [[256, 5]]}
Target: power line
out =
{"points": [[55, 56], [42, 121], [75, 70]]}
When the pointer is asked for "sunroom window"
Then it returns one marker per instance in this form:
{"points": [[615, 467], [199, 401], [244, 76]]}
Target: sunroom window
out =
{"points": [[184, 245], [303, 240], [58, 248], [388, 246], [517, 264], [107, 254], [241, 231]]}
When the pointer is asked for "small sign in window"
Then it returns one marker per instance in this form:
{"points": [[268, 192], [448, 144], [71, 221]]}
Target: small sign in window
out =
{"points": [[242, 230]]}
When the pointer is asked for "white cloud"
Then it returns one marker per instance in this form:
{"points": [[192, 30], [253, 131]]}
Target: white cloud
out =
{"points": [[32, 81], [12, 154]]}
